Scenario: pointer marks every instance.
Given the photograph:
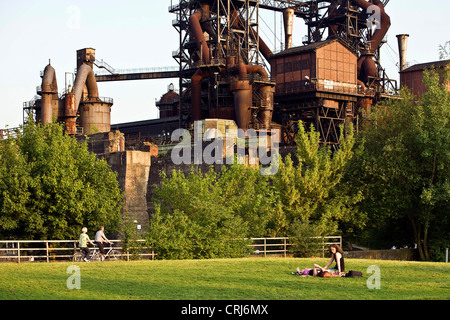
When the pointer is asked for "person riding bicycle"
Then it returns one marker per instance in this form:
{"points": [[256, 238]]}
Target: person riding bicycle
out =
{"points": [[84, 239], [99, 240]]}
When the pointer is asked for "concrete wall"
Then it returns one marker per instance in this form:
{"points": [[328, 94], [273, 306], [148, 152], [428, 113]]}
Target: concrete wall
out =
{"points": [[397, 254], [133, 169]]}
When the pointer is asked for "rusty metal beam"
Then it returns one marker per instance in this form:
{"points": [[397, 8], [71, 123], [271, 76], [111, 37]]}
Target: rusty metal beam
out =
{"points": [[137, 76]]}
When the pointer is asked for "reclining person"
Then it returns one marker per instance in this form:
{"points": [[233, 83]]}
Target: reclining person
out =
{"points": [[339, 268]]}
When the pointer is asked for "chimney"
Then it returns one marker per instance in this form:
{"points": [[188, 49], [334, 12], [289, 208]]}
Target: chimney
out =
{"points": [[288, 18], [402, 44]]}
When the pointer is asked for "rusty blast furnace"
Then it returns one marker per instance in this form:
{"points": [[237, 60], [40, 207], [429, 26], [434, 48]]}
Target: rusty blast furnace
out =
{"points": [[224, 64], [222, 70], [227, 71], [79, 106]]}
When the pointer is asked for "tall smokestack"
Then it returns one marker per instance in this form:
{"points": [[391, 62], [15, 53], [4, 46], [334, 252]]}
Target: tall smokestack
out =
{"points": [[288, 17], [402, 44]]}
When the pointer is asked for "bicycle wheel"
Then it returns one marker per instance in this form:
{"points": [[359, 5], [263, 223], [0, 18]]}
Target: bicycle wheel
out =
{"points": [[114, 255], [95, 256], [77, 257]]}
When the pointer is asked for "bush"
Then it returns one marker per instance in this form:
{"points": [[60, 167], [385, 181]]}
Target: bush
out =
{"points": [[176, 236]]}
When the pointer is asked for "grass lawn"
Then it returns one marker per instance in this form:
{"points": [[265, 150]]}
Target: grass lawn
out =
{"points": [[222, 279]]}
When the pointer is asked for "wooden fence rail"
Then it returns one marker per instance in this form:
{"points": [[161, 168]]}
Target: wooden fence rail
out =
{"points": [[63, 250], [281, 245]]}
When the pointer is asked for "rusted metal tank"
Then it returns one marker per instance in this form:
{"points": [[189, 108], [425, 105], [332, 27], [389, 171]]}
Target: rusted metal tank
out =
{"points": [[95, 115], [70, 114]]}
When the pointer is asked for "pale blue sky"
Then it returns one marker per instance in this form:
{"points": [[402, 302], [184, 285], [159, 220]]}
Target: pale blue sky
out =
{"points": [[139, 34]]}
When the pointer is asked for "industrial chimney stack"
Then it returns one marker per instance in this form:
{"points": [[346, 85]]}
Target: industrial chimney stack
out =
{"points": [[288, 18], [402, 44]]}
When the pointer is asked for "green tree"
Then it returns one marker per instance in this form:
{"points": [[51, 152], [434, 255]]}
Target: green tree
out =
{"points": [[313, 194], [209, 214], [204, 214], [51, 186], [405, 167]]}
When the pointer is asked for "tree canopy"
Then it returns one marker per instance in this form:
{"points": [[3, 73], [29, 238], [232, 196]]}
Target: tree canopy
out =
{"points": [[51, 186], [203, 214], [404, 169]]}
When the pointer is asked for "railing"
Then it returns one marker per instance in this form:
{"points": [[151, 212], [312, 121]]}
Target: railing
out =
{"points": [[137, 70], [60, 250], [317, 85], [281, 245], [104, 65], [63, 250], [9, 133], [271, 246]]}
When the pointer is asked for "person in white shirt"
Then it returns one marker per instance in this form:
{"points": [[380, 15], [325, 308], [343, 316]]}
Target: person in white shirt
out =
{"points": [[99, 240]]}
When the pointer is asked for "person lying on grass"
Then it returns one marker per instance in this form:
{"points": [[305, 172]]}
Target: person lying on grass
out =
{"points": [[337, 271]]}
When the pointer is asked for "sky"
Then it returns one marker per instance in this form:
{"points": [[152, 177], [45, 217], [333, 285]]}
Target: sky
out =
{"points": [[139, 34]]}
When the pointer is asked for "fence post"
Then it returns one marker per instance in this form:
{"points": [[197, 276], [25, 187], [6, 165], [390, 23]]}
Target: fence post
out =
{"points": [[323, 248], [18, 252], [46, 249], [265, 247], [446, 255], [285, 249]]}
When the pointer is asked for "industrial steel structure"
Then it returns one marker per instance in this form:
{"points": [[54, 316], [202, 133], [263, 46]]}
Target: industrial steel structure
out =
{"points": [[227, 71], [224, 61], [79, 106]]}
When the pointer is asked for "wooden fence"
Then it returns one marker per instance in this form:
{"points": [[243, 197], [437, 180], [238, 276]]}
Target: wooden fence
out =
{"points": [[282, 245], [63, 250]]}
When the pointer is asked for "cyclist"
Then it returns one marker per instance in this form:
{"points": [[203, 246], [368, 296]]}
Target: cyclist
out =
{"points": [[84, 239], [99, 240]]}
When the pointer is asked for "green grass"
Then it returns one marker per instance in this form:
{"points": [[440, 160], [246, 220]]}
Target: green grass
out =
{"points": [[222, 279]]}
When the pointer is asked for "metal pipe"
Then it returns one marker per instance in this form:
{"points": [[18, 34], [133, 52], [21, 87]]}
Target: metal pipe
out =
{"points": [[202, 46], [196, 93], [85, 76], [197, 31], [402, 45], [366, 65], [242, 102], [385, 23], [243, 95], [288, 18], [49, 89], [265, 91], [243, 69]]}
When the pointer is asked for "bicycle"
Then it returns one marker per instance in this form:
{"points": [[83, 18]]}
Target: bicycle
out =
{"points": [[79, 256], [95, 255], [113, 254]]}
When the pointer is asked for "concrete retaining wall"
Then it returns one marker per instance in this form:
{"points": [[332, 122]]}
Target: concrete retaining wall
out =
{"points": [[397, 254]]}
